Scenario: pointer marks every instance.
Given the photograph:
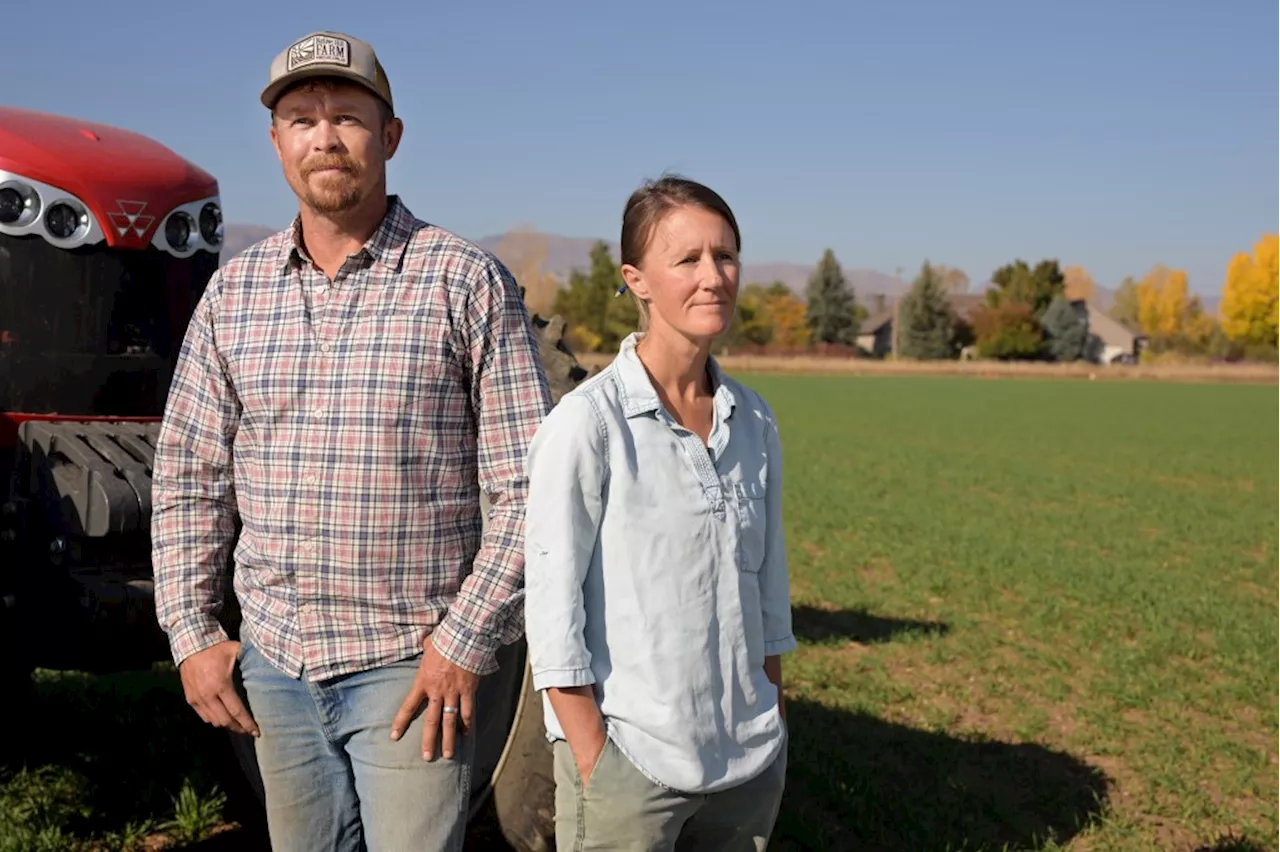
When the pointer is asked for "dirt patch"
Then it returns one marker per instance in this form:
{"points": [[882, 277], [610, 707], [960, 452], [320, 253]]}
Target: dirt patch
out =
{"points": [[814, 551], [879, 571]]}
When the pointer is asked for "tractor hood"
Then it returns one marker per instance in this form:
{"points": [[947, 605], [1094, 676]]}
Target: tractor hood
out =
{"points": [[130, 184]]}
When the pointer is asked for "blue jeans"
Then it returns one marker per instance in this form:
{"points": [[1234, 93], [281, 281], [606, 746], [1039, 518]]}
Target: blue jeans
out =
{"points": [[333, 778]]}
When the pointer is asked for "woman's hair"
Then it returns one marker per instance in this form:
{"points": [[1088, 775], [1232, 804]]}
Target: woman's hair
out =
{"points": [[650, 203]]}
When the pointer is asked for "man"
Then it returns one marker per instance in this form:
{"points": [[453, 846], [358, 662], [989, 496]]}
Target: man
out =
{"points": [[346, 387]]}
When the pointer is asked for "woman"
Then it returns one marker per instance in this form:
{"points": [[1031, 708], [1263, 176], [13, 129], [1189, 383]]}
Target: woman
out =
{"points": [[657, 597]]}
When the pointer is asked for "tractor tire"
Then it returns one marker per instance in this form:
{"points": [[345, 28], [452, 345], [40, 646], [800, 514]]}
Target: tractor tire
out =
{"points": [[522, 787]]}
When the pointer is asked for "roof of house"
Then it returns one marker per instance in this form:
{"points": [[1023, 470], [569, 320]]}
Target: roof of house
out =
{"points": [[1108, 330]]}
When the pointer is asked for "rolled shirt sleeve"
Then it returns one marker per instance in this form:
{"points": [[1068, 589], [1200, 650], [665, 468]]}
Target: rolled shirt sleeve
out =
{"points": [[566, 467]]}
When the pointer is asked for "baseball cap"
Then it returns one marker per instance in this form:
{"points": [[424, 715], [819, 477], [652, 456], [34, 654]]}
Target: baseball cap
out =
{"points": [[327, 54]]}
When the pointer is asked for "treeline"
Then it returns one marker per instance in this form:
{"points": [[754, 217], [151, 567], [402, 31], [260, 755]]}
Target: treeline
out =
{"points": [[1028, 312]]}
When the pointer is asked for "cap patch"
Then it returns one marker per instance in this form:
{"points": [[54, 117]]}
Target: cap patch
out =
{"points": [[318, 50]]}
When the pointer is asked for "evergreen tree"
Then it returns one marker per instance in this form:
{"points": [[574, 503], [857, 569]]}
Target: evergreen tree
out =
{"points": [[831, 311], [927, 320], [1066, 331], [598, 317]]}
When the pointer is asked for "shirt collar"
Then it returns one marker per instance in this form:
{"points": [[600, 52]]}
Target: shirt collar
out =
{"points": [[386, 246], [638, 394]]}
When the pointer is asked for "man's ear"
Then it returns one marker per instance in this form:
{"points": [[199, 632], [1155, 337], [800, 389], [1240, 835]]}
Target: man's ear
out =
{"points": [[392, 133], [275, 139]]}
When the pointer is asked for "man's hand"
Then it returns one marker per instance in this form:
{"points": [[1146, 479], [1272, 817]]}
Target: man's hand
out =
{"points": [[207, 684], [448, 690]]}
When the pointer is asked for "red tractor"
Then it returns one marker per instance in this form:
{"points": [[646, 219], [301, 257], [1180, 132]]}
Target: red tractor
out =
{"points": [[107, 239]]}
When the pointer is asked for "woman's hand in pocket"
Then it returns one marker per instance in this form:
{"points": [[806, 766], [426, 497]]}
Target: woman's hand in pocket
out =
{"points": [[575, 707], [587, 754]]}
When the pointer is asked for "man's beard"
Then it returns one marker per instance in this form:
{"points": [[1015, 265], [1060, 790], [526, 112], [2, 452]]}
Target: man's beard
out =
{"points": [[336, 193]]}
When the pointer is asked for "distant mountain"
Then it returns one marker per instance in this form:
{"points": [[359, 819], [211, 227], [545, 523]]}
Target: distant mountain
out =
{"points": [[237, 238], [564, 254]]}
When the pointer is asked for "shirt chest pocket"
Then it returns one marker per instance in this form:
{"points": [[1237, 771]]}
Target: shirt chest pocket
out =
{"points": [[749, 496]]}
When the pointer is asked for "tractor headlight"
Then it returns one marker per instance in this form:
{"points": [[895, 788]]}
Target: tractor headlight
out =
{"points": [[178, 230], [19, 202], [211, 224], [12, 205], [63, 220]]}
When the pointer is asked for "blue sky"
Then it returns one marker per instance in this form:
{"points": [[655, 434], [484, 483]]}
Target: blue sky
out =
{"points": [[1110, 134]]}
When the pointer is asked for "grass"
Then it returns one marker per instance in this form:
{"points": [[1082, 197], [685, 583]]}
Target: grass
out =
{"points": [[1033, 614], [113, 764]]}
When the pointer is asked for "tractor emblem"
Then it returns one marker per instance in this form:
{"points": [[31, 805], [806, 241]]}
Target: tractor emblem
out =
{"points": [[130, 218]]}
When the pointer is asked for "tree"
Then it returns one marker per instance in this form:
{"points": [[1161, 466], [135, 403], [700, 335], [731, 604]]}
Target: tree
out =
{"points": [[1167, 312], [771, 315], [927, 322], [523, 250], [1078, 283], [1249, 305], [598, 317], [787, 317], [751, 320], [1124, 308], [831, 306], [1067, 332], [1019, 283], [1007, 331]]}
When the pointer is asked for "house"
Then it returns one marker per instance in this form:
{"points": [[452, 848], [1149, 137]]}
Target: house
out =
{"points": [[875, 336], [1109, 342]]}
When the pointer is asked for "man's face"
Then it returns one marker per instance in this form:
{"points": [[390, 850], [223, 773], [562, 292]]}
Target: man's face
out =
{"points": [[333, 144]]}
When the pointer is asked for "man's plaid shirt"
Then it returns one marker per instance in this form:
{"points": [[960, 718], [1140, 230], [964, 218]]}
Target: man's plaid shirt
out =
{"points": [[351, 427]]}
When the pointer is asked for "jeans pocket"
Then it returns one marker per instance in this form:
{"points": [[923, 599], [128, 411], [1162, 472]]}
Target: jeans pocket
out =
{"points": [[242, 650]]}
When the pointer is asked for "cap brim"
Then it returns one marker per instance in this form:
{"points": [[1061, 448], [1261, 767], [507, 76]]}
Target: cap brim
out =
{"points": [[272, 92]]}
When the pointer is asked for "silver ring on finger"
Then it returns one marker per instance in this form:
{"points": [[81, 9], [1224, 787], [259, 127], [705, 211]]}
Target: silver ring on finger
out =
{"points": [[448, 709]]}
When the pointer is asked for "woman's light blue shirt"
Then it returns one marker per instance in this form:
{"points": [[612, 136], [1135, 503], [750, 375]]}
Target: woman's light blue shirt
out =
{"points": [[656, 570]]}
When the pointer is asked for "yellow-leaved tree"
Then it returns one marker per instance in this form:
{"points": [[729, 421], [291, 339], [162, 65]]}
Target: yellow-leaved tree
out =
{"points": [[772, 315], [1166, 310], [787, 314], [1249, 305]]}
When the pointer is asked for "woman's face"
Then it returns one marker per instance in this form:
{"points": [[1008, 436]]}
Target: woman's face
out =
{"points": [[689, 274]]}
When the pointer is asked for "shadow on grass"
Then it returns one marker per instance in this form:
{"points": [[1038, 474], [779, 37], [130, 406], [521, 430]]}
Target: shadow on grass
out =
{"points": [[858, 782], [821, 625], [105, 757]]}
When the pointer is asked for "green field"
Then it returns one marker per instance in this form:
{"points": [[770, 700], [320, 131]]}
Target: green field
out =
{"points": [[1033, 615]]}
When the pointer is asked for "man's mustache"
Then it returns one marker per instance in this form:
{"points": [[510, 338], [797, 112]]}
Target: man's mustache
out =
{"points": [[332, 161]]}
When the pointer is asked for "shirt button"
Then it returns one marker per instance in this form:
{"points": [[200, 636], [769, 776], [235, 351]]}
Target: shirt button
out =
{"points": [[310, 479], [318, 414], [324, 347]]}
